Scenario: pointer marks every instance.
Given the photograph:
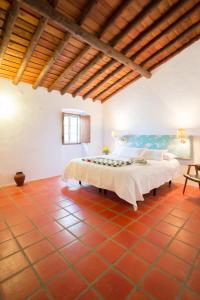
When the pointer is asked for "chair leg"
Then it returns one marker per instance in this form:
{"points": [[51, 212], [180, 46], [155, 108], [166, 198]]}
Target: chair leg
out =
{"points": [[185, 185], [79, 182], [170, 182]]}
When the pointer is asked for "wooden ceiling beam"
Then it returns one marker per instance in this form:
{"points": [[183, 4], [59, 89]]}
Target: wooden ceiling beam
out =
{"points": [[80, 74], [61, 46], [12, 16], [33, 43], [92, 78], [173, 10], [192, 41], [178, 39], [109, 22], [69, 68], [163, 34], [136, 21]]}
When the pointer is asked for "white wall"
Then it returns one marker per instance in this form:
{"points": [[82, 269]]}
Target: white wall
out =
{"points": [[30, 137], [160, 105]]}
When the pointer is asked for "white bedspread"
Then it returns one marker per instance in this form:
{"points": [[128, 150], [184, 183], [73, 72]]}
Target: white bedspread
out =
{"points": [[128, 182]]}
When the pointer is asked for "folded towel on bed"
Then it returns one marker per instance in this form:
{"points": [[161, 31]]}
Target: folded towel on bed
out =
{"points": [[115, 162]]}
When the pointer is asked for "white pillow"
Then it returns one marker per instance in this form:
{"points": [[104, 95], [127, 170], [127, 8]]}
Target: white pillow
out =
{"points": [[150, 154], [168, 156], [126, 151]]}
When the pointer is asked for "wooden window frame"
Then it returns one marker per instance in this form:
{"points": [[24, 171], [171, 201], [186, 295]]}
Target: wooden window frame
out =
{"points": [[63, 140], [85, 131]]}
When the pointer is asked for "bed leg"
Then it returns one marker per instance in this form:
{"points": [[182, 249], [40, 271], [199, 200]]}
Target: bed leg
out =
{"points": [[100, 190], [105, 192], [170, 182], [79, 182], [154, 192], [135, 208]]}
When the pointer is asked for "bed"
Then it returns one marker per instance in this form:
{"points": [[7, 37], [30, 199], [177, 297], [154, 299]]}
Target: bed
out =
{"points": [[131, 182]]}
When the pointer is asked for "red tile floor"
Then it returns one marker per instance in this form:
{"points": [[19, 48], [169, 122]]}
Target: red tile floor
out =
{"points": [[59, 242]]}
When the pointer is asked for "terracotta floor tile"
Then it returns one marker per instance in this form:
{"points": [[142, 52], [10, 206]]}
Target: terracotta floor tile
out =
{"points": [[167, 229], [97, 241], [113, 286], [188, 295], [197, 262], [65, 202], [89, 295], [134, 215], [93, 239], [5, 235], [39, 250], [68, 221], [147, 251], [59, 214], [110, 251], [157, 238], [94, 220], [109, 228], [75, 251], [108, 214], [180, 213], [12, 264], [174, 266], [20, 286], [147, 220], [70, 282], [3, 225], [120, 208], [96, 208], [15, 220], [50, 228], [80, 229], [22, 228], [192, 225], [183, 251], [121, 220], [126, 238], [137, 228], [40, 295], [156, 214], [160, 286], [8, 248], [73, 208], [29, 238], [189, 238], [91, 267], [174, 221], [50, 266], [61, 238], [132, 266], [139, 295], [193, 282], [41, 220]]}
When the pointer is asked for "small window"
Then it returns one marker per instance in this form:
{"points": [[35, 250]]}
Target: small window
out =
{"points": [[75, 129]]}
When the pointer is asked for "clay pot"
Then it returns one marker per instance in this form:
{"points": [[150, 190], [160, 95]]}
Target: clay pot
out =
{"points": [[19, 178]]}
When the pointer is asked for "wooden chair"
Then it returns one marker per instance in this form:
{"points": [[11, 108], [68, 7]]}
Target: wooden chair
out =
{"points": [[195, 177]]}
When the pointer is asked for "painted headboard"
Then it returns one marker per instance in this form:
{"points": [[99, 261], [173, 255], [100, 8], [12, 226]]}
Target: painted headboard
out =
{"points": [[170, 142]]}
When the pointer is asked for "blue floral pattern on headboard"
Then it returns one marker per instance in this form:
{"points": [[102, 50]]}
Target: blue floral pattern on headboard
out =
{"points": [[170, 142]]}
